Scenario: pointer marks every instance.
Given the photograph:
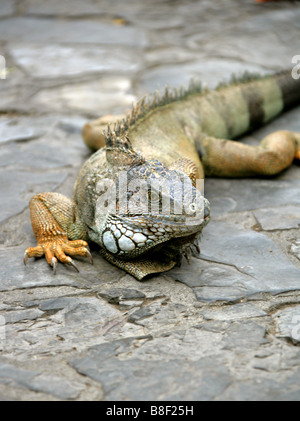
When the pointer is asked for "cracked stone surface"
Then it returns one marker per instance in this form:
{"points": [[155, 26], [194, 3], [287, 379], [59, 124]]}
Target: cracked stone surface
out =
{"points": [[225, 327]]}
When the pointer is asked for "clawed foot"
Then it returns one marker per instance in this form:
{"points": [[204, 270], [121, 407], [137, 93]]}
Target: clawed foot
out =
{"points": [[56, 249], [189, 249]]}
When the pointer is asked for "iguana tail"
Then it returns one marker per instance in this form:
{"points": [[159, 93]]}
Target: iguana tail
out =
{"points": [[240, 108], [269, 96], [247, 103], [290, 89]]}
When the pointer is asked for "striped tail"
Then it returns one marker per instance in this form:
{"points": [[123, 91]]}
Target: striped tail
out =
{"points": [[269, 96], [247, 103], [290, 89]]}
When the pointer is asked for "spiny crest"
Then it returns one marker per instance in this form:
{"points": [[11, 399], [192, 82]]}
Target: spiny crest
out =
{"points": [[245, 77], [119, 151], [148, 104], [156, 100]]}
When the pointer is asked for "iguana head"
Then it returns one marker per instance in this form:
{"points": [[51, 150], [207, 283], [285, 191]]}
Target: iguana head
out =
{"points": [[147, 205], [146, 214]]}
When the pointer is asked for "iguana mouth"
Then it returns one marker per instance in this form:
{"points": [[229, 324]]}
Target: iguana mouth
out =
{"points": [[160, 258], [132, 236]]}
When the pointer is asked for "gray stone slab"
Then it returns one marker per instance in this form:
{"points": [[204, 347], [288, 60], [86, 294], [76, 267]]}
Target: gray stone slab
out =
{"points": [[84, 311], [89, 7], [244, 40], [141, 314], [269, 359], [56, 7], [263, 388], [56, 304], [214, 282], [288, 323], [49, 152], [126, 369], [250, 252], [56, 61], [160, 315], [53, 385], [242, 262], [59, 387], [17, 187], [169, 55], [130, 304], [13, 129], [21, 315], [235, 195], [82, 322], [71, 124], [14, 76], [244, 335], [37, 272], [140, 379], [15, 275], [9, 373], [234, 312], [218, 326], [251, 50], [7, 8], [295, 248], [85, 97], [30, 29], [278, 218], [209, 71], [15, 97], [153, 14], [114, 295]]}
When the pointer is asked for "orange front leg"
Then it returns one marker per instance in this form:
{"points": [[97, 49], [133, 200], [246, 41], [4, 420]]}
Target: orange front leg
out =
{"points": [[54, 226]]}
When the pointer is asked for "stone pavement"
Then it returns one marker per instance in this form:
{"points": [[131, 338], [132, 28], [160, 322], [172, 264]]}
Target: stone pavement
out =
{"points": [[225, 327]]}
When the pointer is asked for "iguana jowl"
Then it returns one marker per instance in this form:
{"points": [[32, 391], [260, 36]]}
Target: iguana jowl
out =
{"points": [[168, 140]]}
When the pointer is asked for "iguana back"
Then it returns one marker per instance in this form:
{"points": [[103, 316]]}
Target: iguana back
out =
{"points": [[175, 124]]}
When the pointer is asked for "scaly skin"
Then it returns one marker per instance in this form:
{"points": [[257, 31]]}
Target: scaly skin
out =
{"points": [[127, 195], [52, 230]]}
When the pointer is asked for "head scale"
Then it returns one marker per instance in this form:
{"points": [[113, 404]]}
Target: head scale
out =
{"points": [[148, 204]]}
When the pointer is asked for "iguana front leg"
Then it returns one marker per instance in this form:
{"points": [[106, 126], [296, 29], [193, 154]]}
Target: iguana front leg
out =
{"points": [[54, 224]]}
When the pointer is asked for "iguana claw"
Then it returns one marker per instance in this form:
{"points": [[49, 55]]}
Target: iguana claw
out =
{"points": [[71, 263], [25, 258], [54, 264], [188, 254], [89, 256], [55, 249], [196, 245]]}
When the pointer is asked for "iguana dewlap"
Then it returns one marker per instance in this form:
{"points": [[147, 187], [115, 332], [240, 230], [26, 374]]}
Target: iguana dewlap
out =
{"points": [[138, 197]]}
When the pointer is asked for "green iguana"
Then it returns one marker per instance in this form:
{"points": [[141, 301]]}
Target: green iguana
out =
{"points": [[154, 157]]}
